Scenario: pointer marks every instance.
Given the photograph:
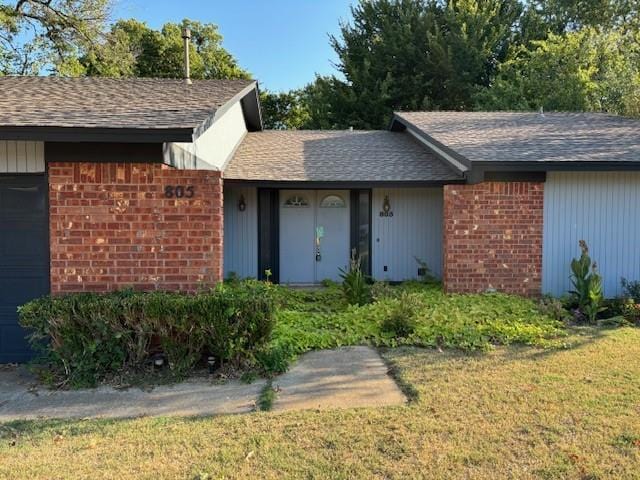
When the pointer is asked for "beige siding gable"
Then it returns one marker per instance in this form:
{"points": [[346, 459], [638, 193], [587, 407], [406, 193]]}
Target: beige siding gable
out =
{"points": [[21, 157]]}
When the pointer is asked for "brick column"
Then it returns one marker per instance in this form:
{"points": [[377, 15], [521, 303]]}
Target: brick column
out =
{"points": [[112, 227], [493, 237]]}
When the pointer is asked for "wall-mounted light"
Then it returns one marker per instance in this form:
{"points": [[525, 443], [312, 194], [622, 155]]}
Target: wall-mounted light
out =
{"points": [[242, 205], [386, 208]]}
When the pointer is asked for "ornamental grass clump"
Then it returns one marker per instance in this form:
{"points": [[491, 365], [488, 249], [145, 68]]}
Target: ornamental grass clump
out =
{"points": [[354, 282]]}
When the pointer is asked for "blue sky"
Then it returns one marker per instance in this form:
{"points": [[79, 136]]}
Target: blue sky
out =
{"points": [[283, 43]]}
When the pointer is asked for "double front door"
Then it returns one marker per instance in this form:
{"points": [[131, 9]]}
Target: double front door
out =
{"points": [[314, 235]]}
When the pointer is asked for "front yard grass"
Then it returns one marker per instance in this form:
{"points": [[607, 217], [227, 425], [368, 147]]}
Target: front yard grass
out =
{"points": [[513, 412]]}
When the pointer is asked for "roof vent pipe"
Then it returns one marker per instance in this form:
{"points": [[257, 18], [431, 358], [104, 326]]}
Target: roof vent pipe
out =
{"points": [[186, 36]]}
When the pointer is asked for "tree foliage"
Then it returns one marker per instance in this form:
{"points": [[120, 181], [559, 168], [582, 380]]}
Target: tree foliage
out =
{"points": [[415, 54], [477, 54], [131, 48], [284, 110], [579, 71], [36, 34]]}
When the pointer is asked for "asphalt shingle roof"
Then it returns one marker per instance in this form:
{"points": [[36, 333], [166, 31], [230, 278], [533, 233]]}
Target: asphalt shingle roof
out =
{"points": [[139, 103], [531, 137], [325, 155]]}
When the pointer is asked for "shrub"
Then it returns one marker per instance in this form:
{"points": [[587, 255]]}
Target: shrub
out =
{"points": [[381, 291], [400, 320], [631, 311], [554, 308], [631, 289], [275, 359], [87, 338], [354, 283], [424, 272], [587, 284]]}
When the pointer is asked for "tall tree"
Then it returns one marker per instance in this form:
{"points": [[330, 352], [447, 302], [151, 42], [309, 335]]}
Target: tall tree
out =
{"points": [[416, 54], [39, 34], [131, 48], [542, 17], [585, 70]]}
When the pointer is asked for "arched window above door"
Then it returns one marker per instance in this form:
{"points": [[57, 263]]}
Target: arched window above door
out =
{"points": [[296, 201], [332, 201]]}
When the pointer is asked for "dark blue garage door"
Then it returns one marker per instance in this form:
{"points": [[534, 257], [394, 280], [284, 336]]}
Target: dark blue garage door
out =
{"points": [[24, 256]]}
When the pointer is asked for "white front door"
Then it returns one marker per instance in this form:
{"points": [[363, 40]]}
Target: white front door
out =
{"points": [[314, 235]]}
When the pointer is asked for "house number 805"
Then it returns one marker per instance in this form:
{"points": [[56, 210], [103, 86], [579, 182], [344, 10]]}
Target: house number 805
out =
{"points": [[179, 191]]}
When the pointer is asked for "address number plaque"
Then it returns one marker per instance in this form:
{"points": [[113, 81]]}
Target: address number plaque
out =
{"points": [[179, 191]]}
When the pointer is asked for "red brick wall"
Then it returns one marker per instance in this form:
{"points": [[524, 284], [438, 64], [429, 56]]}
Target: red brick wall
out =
{"points": [[493, 237], [112, 227]]}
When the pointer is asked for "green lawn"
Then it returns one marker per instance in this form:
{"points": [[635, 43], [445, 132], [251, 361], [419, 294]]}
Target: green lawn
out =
{"points": [[512, 412]]}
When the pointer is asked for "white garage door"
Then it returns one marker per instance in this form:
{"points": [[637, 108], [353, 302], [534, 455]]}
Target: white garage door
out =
{"points": [[602, 208]]}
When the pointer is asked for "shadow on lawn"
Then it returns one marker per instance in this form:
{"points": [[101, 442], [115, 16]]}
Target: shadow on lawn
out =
{"points": [[577, 338], [33, 429]]}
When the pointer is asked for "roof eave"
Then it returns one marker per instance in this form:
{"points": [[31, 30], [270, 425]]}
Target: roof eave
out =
{"points": [[557, 165], [96, 134], [344, 184], [457, 162]]}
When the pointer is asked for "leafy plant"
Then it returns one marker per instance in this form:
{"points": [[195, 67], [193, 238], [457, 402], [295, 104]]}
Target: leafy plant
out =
{"points": [[424, 272], [554, 308], [631, 289], [354, 282], [400, 320], [381, 291], [319, 319], [631, 311], [267, 275], [87, 338], [587, 284], [275, 359]]}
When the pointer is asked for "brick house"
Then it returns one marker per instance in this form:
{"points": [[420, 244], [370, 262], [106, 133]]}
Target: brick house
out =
{"points": [[157, 184]]}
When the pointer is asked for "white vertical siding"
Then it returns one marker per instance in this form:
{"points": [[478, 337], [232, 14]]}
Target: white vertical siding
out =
{"points": [[602, 208], [415, 230], [241, 232], [21, 157]]}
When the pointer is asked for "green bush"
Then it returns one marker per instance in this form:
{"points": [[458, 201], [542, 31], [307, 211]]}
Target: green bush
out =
{"points": [[554, 308], [400, 320], [87, 338], [275, 359], [631, 289], [382, 291], [631, 311]]}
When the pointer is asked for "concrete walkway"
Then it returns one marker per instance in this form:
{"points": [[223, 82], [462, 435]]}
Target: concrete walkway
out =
{"points": [[343, 378], [346, 377]]}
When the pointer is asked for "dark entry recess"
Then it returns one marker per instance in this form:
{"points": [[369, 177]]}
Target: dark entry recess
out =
{"points": [[361, 227], [24, 257], [269, 233]]}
